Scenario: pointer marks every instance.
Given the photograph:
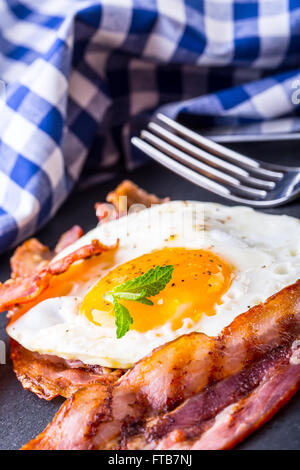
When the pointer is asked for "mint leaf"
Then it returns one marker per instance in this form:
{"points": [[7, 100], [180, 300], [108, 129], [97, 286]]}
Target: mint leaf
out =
{"points": [[137, 290], [132, 296], [152, 282], [123, 319], [144, 300]]}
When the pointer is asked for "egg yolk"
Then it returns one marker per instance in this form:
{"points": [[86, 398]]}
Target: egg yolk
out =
{"points": [[200, 279]]}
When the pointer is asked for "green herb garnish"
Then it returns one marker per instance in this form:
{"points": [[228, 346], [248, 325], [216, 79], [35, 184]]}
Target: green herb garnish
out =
{"points": [[137, 290]]}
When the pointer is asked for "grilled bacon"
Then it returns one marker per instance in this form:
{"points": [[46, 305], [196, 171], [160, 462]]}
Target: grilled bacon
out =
{"points": [[133, 194], [21, 290], [67, 238], [196, 392], [32, 256], [49, 376]]}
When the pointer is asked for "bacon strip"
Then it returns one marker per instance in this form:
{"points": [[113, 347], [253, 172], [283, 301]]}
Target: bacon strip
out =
{"points": [[90, 403], [195, 392], [69, 237], [226, 412], [247, 415], [123, 197], [32, 256], [49, 376], [27, 288]]}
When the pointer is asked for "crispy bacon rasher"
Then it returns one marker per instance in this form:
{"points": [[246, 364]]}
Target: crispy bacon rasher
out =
{"points": [[196, 392], [49, 376], [32, 256], [67, 238], [123, 197], [23, 289]]}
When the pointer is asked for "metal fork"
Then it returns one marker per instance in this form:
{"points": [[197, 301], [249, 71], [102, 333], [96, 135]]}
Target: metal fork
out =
{"points": [[217, 168]]}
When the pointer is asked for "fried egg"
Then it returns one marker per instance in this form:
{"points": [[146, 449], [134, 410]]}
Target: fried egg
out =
{"points": [[226, 260]]}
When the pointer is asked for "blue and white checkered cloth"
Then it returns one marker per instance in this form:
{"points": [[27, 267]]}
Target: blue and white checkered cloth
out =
{"points": [[82, 76]]}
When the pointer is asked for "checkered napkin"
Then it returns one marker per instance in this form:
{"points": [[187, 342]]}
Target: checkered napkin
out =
{"points": [[81, 77]]}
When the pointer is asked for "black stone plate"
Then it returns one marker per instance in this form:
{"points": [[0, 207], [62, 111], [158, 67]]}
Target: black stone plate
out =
{"points": [[22, 414]]}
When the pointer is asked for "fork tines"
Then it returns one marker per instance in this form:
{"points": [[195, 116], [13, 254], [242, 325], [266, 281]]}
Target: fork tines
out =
{"points": [[206, 163]]}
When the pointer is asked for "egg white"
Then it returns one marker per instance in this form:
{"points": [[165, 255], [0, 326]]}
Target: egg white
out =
{"points": [[264, 249]]}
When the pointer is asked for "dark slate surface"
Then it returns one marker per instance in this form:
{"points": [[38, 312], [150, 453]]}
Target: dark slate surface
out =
{"points": [[23, 415]]}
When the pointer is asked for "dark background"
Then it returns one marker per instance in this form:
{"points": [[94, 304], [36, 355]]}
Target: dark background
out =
{"points": [[22, 414]]}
